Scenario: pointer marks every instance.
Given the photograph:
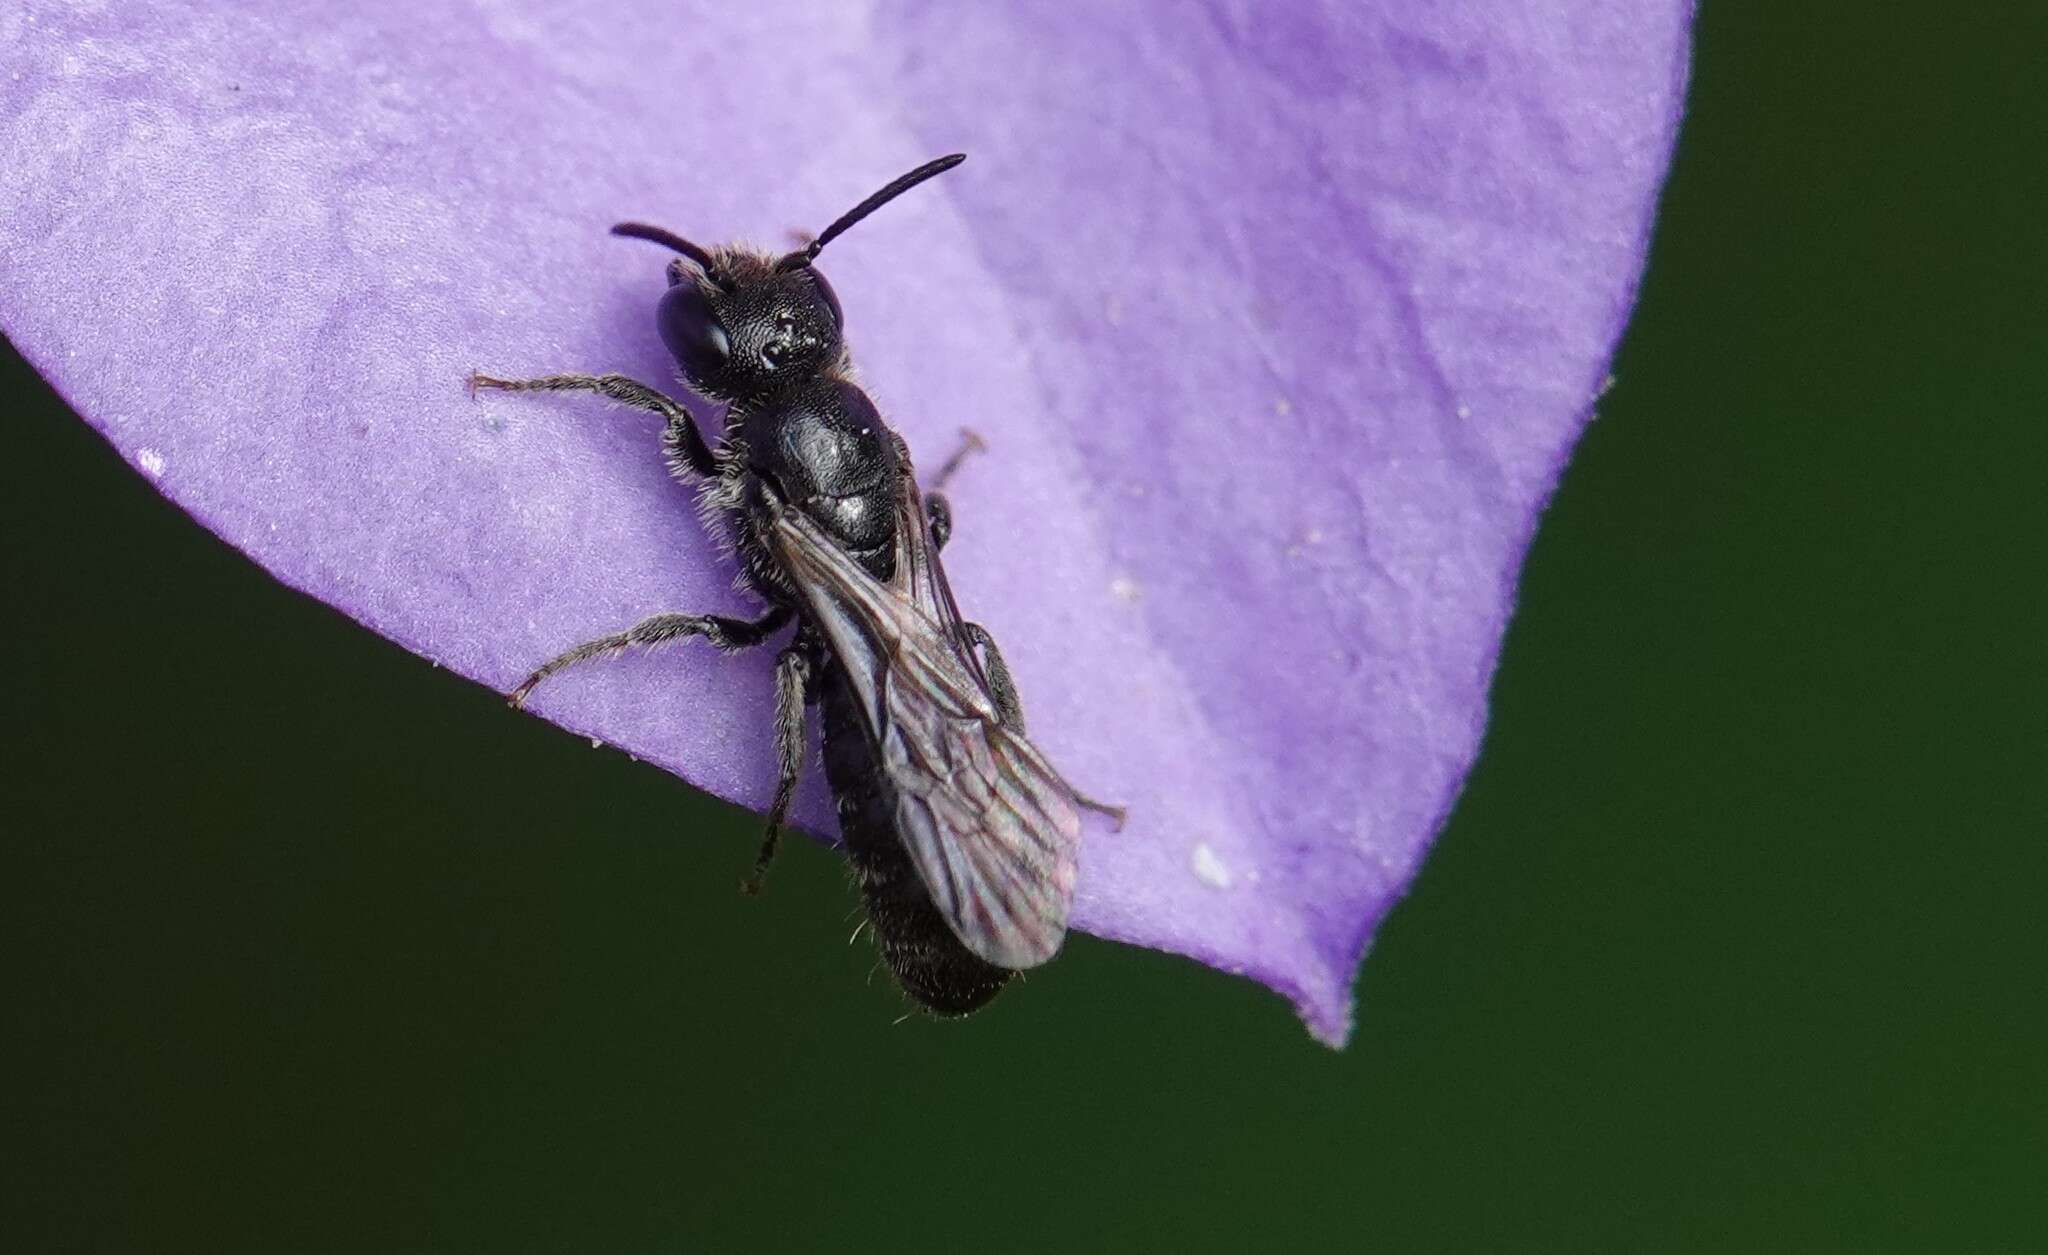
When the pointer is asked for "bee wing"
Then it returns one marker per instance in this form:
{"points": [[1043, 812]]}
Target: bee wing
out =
{"points": [[991, 826], [920, 576]]}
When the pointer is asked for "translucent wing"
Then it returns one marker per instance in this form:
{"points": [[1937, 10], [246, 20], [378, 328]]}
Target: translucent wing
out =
{"points": [[991, 826], [919, 576]]}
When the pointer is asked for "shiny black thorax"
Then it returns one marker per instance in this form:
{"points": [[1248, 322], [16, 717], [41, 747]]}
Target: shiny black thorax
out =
{"points": [[823, 448]]}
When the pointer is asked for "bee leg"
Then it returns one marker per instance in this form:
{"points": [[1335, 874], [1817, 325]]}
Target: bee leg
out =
{"points": [[1011, 711], [1009, 708], [938, 515], [660, 629], [792, 679], [683, 438], [970, 443]]}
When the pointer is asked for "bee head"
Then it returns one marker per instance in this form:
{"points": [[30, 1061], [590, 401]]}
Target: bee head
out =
{"points": [[741, 323], [739, 327]]}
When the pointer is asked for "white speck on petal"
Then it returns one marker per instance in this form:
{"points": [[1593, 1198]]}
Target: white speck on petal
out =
{"points": [[152, 462], [597, 743], [1210, 869], [1124, 588], [1464, 411]]}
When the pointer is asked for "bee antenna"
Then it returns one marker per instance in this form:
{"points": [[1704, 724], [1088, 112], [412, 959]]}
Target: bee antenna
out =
{"points": [[666, 238], [896, 187]]}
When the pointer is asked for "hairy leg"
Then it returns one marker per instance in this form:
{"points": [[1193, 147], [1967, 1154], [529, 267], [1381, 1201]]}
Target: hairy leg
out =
{"points": [[660, 629], [1011, 710], [1001, 687], [792, 680], [688, 441]]}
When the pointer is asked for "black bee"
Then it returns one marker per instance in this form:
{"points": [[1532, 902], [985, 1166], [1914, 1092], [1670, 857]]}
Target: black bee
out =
{"points": [[962, 836]]}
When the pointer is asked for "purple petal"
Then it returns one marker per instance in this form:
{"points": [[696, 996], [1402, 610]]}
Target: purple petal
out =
{"points": [[1280, 322]]}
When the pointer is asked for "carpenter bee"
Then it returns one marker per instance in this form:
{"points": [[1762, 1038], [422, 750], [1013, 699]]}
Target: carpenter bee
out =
{"points": [[962, 837]]}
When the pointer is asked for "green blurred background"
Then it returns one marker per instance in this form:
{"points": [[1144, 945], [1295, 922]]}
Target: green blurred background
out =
{"points": [[1733, 943]]}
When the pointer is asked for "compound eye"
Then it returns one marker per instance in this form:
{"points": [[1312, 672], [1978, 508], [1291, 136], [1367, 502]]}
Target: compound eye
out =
{"points": [[831, 298], [692, 332]]}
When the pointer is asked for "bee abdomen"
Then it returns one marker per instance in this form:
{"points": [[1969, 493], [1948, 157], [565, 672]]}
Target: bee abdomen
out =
{"points": [[926, 958], [928, 961]]}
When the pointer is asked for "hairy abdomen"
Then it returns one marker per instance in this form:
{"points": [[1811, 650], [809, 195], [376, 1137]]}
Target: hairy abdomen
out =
{"points": [[915, 941]]}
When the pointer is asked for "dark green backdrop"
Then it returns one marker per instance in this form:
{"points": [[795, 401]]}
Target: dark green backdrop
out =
{"points": [[1732, 944]]}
